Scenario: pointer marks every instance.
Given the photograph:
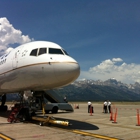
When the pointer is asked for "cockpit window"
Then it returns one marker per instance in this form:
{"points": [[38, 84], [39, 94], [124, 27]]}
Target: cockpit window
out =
{"points": [[65, 52], [34, 52], [42, 51], [55, 51]]}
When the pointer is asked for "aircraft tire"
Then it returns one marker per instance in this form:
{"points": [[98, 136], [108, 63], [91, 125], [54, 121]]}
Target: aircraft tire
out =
{"points": [[3, 108], [47, 111], [55, 110], [25, 114]]}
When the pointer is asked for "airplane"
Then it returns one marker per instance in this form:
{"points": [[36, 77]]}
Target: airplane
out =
{"points": [[36, 66]]}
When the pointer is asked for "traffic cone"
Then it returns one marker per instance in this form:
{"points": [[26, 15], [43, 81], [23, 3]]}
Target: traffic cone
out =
{"points": [[91, 110], [111, 115], [115, 116], [138, 118]]}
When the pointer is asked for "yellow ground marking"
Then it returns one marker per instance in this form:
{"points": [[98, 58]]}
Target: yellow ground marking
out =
{"points": [[4, 137], [87, 133], [94, 135]]}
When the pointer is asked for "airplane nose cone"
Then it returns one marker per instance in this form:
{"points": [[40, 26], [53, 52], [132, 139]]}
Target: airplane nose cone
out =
{"points": [[67, 72], [73, 71]]}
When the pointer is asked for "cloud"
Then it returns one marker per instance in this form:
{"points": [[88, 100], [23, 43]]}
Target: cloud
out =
{"points": [[10, 35], [117, 60], [127, 73]]}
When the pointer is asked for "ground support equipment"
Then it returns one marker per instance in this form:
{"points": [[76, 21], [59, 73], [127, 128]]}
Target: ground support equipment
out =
{"points": [[50, 120], [18, 113]]}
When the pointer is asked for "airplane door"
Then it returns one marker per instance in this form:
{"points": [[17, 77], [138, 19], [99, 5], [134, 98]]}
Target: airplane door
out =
{"points": [[16, 56]]}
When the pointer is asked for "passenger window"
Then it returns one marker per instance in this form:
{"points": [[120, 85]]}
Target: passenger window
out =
{"points": [[42, 51], [34, 52], [55, 51]]}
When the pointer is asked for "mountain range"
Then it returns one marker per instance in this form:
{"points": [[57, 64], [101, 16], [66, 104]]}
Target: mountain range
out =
{"points": [[111, 89]]}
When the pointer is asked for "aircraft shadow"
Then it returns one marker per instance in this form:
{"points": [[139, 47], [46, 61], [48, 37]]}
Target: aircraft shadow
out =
{"points": [[75, 124], [78, 124]]}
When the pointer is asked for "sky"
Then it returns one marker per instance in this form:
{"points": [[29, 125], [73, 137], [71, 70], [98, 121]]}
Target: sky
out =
{"points": [[102, 35]]}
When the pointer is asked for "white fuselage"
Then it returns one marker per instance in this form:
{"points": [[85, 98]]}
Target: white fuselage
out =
{"points": [[22, 70]]}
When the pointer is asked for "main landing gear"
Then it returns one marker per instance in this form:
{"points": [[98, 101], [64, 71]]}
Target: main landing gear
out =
{"points": [[23, 112], [3, 107], [20, 111]]}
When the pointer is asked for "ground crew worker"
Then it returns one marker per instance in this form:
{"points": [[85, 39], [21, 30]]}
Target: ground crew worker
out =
{"points": [[105, 106], [109, 106], [65, 99], [89, 103]]}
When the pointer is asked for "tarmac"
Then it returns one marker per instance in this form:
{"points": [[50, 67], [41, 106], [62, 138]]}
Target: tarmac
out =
{"points": [[121, 125]]}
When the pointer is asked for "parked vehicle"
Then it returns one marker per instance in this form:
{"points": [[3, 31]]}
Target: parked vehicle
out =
{"points": [[50, 107]]}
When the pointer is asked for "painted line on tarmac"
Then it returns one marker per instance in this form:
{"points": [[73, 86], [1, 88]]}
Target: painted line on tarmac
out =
{"points": [[94, 135], [4, 137], [87, 133]]}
